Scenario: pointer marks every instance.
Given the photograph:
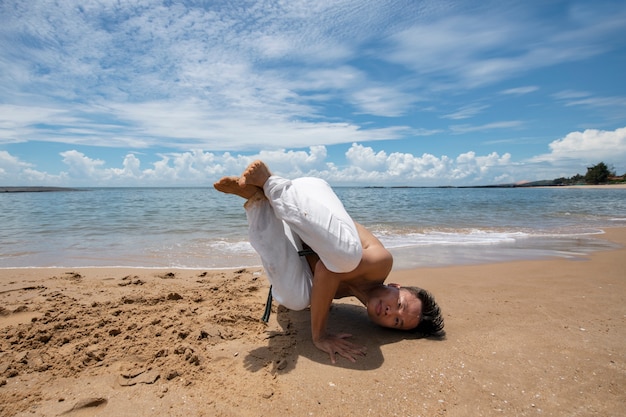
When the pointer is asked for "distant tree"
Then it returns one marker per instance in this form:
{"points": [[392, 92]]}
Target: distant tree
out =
{"points": [[576, 179], [598, 174]]}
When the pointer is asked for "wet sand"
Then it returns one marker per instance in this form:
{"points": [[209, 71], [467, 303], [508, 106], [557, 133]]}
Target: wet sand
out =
{"points": [[543, 337]]}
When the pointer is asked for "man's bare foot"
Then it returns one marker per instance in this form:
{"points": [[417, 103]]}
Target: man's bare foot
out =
{"points": [[230, 185], [256, 174]]}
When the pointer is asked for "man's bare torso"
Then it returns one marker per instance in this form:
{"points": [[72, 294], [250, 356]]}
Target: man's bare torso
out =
{"points": [[375, 265]]}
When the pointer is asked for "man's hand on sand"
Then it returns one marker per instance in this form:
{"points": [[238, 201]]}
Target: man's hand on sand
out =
{"points": [[338, 345]]}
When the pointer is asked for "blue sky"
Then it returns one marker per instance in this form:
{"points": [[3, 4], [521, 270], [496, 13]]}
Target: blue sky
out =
{"points": [[407, 92]]}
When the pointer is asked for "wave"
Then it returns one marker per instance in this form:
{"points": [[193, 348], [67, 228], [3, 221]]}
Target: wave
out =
{"points": [[472, 237]]}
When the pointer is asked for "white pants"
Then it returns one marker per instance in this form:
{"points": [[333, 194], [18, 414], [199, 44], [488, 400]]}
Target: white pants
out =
{"points": [[296, 211]]}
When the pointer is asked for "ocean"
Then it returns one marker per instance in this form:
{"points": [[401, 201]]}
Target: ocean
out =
{"points": [[200, 228]]}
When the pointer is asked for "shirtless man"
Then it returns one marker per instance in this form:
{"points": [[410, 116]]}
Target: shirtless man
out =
{"points": [[313, 252]]}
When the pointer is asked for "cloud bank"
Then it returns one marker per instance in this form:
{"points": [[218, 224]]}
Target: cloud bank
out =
{"points": [[363, 165]]}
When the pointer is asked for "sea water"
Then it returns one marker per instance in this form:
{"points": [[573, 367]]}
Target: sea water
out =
{"points": [[200, 228]]}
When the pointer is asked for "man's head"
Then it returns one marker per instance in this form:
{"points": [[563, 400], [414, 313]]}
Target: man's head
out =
{"points": [[431, 320], [406, 308]]}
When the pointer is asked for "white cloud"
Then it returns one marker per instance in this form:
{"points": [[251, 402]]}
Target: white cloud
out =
{"points": [[81, 166], [131, 167], [509, 124], [180, 125], [404, 168], [589, 146], [615, 103], [16, 121], [383, 101], [363, 166], [570, 94], [518, 91], [469, 164], [486, 51], [466, 112], [10, 163], [14, 171], [365, 158], [427, 47], [322, 80]]}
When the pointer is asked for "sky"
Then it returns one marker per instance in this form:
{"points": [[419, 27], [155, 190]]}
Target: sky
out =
{"points": [[376, 92]]}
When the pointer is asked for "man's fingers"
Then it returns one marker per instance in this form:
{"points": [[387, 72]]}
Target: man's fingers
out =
{"points": [[348, 351], [361, 350], [338, 345], [351, 354], [348, 357]]}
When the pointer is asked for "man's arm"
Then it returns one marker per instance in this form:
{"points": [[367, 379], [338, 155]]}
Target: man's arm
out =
{"points": [[325, 284], [374, 267]]}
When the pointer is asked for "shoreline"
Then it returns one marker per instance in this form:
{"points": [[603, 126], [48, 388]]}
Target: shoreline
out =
{"points": [[35, 189], [621, 186], [43, 188], [524, 338], [502, 248]]}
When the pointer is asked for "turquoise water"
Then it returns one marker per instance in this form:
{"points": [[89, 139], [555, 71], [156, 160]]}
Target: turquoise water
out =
{"points": [[201, 228]]}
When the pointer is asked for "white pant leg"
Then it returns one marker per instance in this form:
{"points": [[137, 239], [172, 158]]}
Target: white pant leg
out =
{"points": [[314, 212], [288, 273]]}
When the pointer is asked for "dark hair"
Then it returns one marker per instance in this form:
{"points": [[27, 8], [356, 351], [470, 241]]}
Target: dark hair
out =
{"points": [[431, 320]]}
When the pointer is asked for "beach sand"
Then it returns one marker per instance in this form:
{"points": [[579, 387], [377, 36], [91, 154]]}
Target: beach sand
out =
{"points": [[531, 338], [618, 186]]}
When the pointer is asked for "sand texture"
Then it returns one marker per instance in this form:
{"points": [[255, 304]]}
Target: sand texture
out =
{"points": [[532, 338]]}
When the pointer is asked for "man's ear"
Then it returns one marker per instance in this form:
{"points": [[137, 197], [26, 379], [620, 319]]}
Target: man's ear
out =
{"points": [[391, 284]]}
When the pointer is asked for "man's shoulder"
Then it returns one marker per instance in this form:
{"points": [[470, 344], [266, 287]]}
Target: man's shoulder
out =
{"points": [[377, 254]]}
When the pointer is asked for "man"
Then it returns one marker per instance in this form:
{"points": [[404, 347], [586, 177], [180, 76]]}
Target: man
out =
{"points": [[313, 252]]}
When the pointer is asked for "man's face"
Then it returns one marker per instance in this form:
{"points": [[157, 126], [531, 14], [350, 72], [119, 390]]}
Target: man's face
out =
{"points": [[394, 307]]}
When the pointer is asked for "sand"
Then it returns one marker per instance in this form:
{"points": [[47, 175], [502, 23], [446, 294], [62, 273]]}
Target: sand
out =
{"points": [[531, 338], [617, 186]]}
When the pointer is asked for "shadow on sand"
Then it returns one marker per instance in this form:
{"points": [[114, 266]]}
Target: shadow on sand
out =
{"points": [[294, 340]]}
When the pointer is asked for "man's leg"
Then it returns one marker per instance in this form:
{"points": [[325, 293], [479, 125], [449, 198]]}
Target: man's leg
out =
{"points": [[288, 273], [314, 212]]}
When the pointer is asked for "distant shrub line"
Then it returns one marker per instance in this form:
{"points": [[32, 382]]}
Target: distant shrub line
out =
{"points": [[596, 175]]}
